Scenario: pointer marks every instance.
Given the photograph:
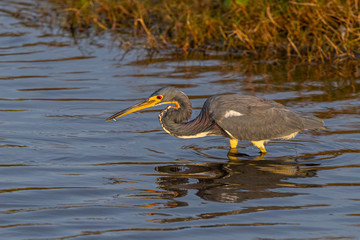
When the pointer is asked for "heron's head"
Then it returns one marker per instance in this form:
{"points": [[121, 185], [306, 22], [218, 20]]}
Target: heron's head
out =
{"points": [[166, 95]]}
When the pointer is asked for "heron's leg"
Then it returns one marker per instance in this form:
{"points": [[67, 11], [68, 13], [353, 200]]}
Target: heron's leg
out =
{"points": [[233, 142], [233, 152], [260, 145]]}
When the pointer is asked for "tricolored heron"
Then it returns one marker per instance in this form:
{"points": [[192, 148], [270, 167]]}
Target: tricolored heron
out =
{"points": [[237, 117]]}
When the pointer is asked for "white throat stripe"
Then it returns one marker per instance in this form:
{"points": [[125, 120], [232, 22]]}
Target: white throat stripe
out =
{"points": [[198, 135], [232, 113]]}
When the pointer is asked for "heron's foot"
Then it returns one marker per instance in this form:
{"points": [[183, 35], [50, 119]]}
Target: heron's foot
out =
{"points": [[260, 146], [262, 151]]}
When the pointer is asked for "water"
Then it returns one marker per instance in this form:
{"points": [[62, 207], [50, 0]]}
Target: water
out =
{"points": [[66, 174]]}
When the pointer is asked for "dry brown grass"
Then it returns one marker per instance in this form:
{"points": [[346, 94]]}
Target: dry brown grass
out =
{"points": [[312, 30]]}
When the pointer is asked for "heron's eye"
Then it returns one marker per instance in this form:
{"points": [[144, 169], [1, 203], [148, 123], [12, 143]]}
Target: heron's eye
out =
{"points": [[159, 97]]}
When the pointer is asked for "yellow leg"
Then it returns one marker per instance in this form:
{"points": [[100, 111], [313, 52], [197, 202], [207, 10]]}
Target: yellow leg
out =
{"points": [[233, 152], [233, 142], [260, 145]]}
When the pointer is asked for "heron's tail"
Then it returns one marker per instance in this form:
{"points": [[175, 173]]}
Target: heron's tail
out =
{"points": [[312, 122]]}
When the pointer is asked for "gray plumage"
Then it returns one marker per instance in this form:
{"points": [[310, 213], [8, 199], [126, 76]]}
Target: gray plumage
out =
{"points": [[261, 119], [238, 117]]}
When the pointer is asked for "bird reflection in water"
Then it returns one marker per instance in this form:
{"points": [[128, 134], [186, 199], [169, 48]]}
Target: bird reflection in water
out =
{"points": [[234, 181]]}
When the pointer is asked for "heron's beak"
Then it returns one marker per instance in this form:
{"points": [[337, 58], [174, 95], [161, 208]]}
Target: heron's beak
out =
{"points": [[136, 107]]}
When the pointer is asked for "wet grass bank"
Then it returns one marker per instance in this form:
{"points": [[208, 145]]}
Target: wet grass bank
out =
{"points": [[314, 30]]}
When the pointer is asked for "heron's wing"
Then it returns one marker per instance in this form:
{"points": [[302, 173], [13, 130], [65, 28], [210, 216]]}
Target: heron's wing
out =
{"points": [[253, 119]]}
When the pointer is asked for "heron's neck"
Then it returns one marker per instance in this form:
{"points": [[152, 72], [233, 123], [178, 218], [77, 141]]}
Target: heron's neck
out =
{"points": [[174, 122]]}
